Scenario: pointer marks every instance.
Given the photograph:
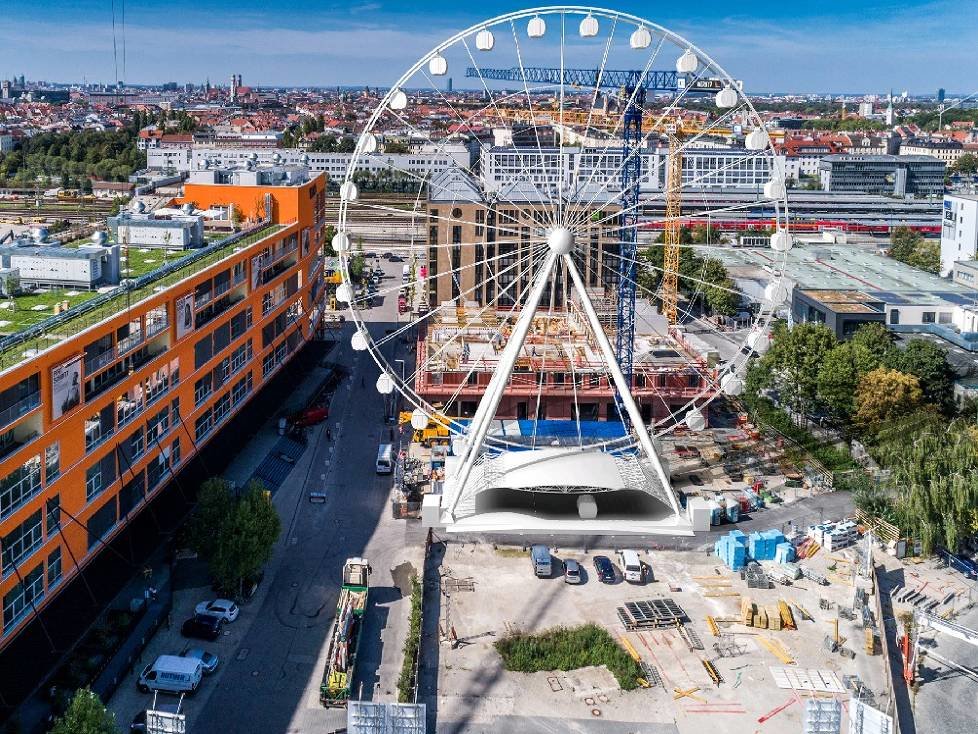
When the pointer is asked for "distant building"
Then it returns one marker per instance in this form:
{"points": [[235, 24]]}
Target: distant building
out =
{"points": [[902, 175], [944, 150], [966, 273], [110, 189], [37, 263], [199, 158], [7, 143], [842, 311], [959, 230], [148, 230]]}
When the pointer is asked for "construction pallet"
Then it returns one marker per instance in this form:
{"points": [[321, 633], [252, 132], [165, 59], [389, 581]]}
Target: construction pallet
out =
{"points": [[654, 613], [652, 676], [692, 639]]}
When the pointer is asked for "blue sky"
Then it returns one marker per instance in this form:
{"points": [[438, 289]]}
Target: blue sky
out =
{"points": [[827, 45]]}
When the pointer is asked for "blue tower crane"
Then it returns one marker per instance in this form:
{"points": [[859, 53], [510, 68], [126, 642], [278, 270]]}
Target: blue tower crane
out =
{"points": [[634, 85]]}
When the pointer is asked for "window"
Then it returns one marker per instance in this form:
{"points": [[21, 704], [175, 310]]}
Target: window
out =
{"points": [[202, 389], [54, 567], [158, 425], [132, 493], [101, 522], [22, 541], [100, 476], [52, 462], [52, 515], [23, 596], [203, 351], [944, 317], [895, 316], [204, 424], [20, 485], [928, 317]]}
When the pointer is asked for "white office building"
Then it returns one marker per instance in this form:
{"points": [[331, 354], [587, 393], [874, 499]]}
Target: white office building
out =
{"points": [[423, 163], [567, 169], [149, 230], [959, 231]]}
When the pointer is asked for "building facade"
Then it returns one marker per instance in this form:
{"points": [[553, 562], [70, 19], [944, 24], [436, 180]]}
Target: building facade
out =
{"points": [[98, 422], [896, 175], [959, 230]]}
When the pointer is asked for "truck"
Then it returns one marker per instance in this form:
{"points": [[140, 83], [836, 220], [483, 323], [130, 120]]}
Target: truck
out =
{"points": [[344, 634], [435, 433]]}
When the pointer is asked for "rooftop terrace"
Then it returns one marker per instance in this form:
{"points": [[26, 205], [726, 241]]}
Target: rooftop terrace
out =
{"points": [[31, 326]]}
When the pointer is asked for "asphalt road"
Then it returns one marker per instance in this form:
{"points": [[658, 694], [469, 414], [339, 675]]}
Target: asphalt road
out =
{"points": [[272, 661]]}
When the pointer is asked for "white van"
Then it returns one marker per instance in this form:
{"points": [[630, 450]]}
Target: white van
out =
{"points": [[171, 674], [385, 459], [631, 566], [540, 557]]}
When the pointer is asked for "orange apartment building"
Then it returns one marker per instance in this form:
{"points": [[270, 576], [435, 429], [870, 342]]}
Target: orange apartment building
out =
{"points": [[99, 410]]}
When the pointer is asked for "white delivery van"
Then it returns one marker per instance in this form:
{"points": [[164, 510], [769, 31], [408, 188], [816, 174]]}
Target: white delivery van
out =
{"points": [[540, 557], [405, 273], [385, 459], [631, 566], [171, 674]]}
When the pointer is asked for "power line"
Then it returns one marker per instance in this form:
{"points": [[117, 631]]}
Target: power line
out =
{"points": [[115, 52]]}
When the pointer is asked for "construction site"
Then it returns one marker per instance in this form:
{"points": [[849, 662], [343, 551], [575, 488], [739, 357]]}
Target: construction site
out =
{"points": [[719, 649]]}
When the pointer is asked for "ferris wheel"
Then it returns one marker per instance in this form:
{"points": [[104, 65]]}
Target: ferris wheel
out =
{"points": [[562, 291]]}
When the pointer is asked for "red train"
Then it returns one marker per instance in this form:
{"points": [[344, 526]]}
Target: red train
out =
{"points": [[818, 225]]}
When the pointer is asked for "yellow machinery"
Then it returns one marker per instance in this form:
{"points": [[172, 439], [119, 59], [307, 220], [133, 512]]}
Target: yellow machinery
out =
{"points": [[673, 227], [436, 432]]}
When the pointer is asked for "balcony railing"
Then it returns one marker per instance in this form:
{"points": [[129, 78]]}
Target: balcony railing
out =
{"points": [[19, 409]]}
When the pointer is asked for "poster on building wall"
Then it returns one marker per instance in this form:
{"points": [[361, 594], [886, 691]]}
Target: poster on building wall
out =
{"points": [[305, 242], [255, 271], [185, 315], [65, 387]]}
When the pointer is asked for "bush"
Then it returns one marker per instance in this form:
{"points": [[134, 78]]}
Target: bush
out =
{"points": [[406, 681], [832, 458], [569, 648]]}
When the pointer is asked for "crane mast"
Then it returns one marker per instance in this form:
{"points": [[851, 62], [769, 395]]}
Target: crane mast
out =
{"points": [[672, 228]]}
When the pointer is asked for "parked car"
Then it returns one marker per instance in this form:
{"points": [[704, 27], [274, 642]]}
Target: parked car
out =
{"points": [[605, 569], [203, 627], [207, 659], [226, 609], [573, 573]]}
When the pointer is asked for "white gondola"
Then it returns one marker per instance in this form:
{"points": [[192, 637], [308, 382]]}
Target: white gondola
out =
{"points": [[438, 65], [640, 38], [687, 63], [484, 40], [588, 27], [536, 27]]}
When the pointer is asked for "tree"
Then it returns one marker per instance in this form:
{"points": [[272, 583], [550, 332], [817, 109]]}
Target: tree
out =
{"points": [[967, 163], [86, 714], [840, 374], [235, 532], [328, 247], [910, 247], [928, 363], [796, 358], [884, 395], [874, 337], [903, 242]]}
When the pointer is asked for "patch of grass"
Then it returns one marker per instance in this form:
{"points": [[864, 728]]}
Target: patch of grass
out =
{"points": [[569, 648], [406, 681], [511, 553]]}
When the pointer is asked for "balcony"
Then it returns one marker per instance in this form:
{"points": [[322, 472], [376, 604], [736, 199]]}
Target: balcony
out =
{"points": [[19, 409], [94, 364]]}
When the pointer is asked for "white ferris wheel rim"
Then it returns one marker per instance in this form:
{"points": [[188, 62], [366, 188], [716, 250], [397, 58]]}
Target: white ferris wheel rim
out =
{"points": [[733, 369]]}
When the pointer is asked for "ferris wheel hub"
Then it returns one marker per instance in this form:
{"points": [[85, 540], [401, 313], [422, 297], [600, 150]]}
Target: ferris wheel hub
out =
{"points": [[561, 240]]}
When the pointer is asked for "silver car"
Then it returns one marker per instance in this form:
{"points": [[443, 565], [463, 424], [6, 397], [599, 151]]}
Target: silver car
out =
{"points": [[573, 574], [208, 660]]}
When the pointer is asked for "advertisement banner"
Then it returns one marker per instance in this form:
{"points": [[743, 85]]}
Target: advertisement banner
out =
{"points": [[255, 270], [65, 387], [185, 315]]}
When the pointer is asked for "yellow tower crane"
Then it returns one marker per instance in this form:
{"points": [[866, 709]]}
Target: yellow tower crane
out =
{"points": [[673, 225]]}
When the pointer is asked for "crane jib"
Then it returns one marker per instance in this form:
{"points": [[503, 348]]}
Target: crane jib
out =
{"points": [[653, 81]]}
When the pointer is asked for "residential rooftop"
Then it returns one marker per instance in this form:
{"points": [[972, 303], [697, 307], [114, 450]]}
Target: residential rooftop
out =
{"points": [[31, 325]]}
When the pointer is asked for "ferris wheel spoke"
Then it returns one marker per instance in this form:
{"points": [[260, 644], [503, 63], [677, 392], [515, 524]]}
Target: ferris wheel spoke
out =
{"points": [[498, 332], [621, 119], [501, 117], [662, 159], [529, 102], [653, 130], [662, 194], [524, 263]]}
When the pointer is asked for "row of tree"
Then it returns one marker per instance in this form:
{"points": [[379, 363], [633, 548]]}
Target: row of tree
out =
{"points": [[899, 403], [72, 157], [702, 280]]}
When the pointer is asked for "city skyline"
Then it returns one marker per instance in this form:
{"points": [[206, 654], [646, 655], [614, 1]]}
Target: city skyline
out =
{"points": [[839, 47]]}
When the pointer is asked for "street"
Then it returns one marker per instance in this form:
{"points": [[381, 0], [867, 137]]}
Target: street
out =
{"points": [[272, 656]]}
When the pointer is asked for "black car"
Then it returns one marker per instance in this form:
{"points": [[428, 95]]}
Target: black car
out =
{"points": [[203, 627], [604, 568]]}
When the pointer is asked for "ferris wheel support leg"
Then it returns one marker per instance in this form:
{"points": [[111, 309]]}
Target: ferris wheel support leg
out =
{"points": [[634, 415], [482, 419]]}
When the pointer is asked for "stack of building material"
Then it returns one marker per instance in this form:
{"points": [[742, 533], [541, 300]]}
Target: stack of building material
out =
{"points": [[763, 546], [834, 536], [732, 549], [784, 553]]}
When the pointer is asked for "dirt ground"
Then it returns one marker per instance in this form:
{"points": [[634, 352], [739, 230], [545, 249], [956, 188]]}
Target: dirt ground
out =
{"points": [[505, 597]]}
